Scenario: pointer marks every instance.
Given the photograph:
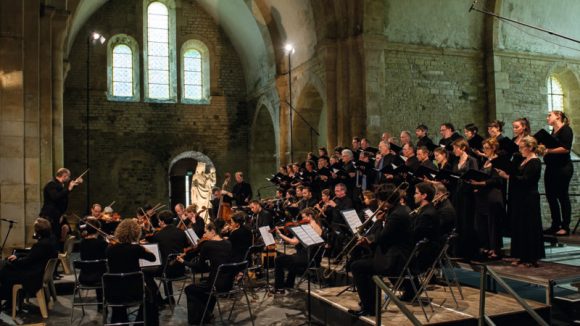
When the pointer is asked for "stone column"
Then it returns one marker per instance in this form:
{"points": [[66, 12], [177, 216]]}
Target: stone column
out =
{"points": [[60, 21]]}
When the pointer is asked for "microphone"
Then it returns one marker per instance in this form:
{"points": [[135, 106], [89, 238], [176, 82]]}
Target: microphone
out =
{"points": [[9, 221]]}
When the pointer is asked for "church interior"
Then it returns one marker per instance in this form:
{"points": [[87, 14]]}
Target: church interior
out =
{"points": [[140, 92]]}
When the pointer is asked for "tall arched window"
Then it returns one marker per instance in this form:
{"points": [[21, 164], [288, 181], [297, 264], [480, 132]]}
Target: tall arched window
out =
{"points": [[195, 73], [122, 69], [555, 95], [159, 34]]}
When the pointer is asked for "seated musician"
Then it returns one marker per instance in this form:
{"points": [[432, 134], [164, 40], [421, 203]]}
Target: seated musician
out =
{"points": [[239, 235], [424, 226], [93, 247], [445, 210], [193, 220], [262, 216], [307, 199], [294, 263], [171, 240], [28, 269], [123, 257], [391, 249], [213, 248]]}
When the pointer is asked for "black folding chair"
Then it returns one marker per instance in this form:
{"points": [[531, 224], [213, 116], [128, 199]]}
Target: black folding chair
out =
{"points": [[167, 279], [129, 291], [232, 270], [96, 268]]}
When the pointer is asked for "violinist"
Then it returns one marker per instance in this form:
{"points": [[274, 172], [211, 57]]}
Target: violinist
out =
{"points": [[298, 262], [240, 236], [217, 251], [324, 209], [193, 220], [171, 240], [123, 257], [93, 247], [391, 246], [96, 211], [179, 212], [144, 223]]}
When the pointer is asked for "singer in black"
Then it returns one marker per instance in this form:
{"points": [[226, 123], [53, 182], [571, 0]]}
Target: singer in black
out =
{"points": [[55, 195], [559, 171], [392, 247], [29, 269]]}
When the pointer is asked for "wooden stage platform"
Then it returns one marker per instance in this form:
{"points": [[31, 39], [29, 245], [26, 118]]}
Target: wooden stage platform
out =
{"points": [[502, 309], [547, 275]]}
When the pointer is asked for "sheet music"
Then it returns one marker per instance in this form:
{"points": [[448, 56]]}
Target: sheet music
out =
{"points": [[370, 213], [352, 219], [312, 234], [302, 236], [154, 248], [191, 236], [267, 236]]}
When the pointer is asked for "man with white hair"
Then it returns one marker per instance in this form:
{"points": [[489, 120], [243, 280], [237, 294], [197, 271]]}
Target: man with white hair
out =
{"points": [[56, 193], [348, 175]]}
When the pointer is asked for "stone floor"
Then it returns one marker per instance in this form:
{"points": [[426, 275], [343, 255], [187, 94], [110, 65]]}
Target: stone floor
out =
{"points": [[281, 310]]}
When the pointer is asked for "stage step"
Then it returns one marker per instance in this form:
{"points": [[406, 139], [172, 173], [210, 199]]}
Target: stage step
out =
{"points": [[502, 309]]}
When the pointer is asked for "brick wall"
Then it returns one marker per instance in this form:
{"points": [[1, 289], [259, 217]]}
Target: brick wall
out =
{"points": [[133, 143]]}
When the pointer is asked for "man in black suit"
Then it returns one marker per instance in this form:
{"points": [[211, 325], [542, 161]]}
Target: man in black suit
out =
{"points": [[262, 217], [422, 138], [391, 249], [242, 191], [28, 270], [171, 240], [423, 157], [56, 193]]}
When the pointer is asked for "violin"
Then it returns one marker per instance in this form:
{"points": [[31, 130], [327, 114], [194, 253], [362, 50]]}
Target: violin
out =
{"points": [[111, 239]]}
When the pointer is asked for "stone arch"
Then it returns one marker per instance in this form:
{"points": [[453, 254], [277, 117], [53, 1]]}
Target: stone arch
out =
{"points": [[571, 88], [311, 109], [177, 173], [264, 148]]}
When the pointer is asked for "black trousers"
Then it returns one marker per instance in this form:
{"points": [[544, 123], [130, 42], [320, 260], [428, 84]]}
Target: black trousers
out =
{"points": [[197, 297], [294, 264], [557, 184], [119, 315]]}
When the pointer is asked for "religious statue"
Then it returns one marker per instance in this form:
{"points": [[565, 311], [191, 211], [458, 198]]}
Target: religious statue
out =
{"points": [[201, 186]]}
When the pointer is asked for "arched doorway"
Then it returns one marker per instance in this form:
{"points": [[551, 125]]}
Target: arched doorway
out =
{"points": [[181, 170], [263, 153], [309, 129]]}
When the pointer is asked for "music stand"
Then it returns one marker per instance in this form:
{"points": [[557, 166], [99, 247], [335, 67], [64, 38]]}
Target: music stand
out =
{"points": [[10, 226], [308, 238], [268, 241]]}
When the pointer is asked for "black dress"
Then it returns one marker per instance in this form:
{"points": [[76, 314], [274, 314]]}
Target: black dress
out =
{"points": [[464, 202], [490, 211], [527, 238]]}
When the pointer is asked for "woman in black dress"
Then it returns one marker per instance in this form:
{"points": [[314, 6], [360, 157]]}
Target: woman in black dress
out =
{"points": [[464, 202], [489, 204], [559, 171], [527, 240]]}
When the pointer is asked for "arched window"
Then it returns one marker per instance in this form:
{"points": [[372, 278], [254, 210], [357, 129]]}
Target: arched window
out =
{"points": [[122, 66], [159, 35], [195, 81], [555, 95]]}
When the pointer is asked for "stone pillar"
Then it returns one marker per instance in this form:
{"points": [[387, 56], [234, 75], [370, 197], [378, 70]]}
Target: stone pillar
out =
{"points": [[329, 57], [59, 28], [12, 175], [45, 90], [284, 118]]}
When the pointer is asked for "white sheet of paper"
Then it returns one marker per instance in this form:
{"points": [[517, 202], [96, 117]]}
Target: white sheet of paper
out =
{"points": [[191, 236], [352, 219], [267, 236], [312, 234], [370, 213], [302, 236], [154, 248]]}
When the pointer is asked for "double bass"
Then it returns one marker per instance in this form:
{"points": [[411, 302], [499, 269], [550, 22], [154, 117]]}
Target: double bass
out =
{"points": [[225, 209]]}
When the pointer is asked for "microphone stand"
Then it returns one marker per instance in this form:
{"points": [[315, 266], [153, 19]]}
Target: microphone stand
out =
{"points": [[10, 226]]}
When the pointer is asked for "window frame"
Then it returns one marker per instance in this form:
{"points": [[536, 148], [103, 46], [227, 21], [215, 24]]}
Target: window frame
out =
{"points": [[170, 5], [551, 94], [123, 39], [205, 71]]}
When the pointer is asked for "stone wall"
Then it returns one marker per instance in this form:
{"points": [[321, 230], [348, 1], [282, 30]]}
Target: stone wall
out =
{"points": [[133, 143], [409, 85]]}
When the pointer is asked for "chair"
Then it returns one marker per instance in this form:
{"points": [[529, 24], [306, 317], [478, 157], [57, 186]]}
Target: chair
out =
{"points": [[94, 266], [64, 256], [254, 263], [41, 294], [131, 285], [238, 287], [167, 280]]}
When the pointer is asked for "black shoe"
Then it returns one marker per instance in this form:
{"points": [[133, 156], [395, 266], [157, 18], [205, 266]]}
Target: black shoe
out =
{"points": [[359, 313]]}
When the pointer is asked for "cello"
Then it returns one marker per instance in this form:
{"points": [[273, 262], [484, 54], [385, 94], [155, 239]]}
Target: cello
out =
{"points": [[225, 209]]}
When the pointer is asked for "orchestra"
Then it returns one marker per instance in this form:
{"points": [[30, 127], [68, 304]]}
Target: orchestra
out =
{"points": [[481, 188]]}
